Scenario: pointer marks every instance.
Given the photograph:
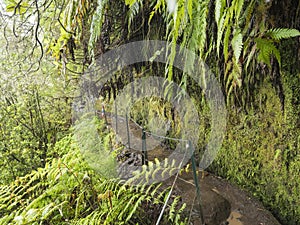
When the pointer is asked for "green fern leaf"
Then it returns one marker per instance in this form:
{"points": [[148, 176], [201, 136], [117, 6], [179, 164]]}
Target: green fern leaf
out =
{"points": [[237, 44], [248, 14], [219, 10], [226, 42], [266, 49], [134, 9], [173, 210], [96, 24], [282, 33], [225, 22], [157, 7], [220, 33], [238, 8], [190, 8], [135, 207], [250, 56]]}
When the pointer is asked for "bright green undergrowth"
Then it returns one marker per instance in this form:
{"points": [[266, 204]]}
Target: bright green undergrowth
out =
{"points": [[68, 191]]}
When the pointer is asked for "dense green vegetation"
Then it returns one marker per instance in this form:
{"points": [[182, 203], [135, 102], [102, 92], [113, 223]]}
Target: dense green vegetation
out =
{"points": [[67, 191], [252, 46]]}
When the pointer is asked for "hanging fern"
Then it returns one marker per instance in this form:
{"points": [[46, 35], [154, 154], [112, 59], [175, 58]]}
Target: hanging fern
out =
{"points": [[238, 6], [197, 35], [135, 6], [220, 15], [96, 25]]}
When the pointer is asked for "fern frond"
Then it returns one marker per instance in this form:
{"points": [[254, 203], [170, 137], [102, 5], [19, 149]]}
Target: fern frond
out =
{"points": [[220, 32], [198, 38], [238, 6], [159, 5], [190, 8], [237, 44], [134, 9], [248, 14], [226, 42], [266, 48], [219, 8], [225, 23], [96, 25], [282, 33], [250, 56]]}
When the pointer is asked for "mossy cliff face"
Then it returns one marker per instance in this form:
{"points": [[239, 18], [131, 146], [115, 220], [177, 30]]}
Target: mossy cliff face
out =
{"points": [[261, 150]]}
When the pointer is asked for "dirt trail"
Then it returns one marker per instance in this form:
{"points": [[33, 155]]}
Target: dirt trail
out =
{"points": [[223, 203]]}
